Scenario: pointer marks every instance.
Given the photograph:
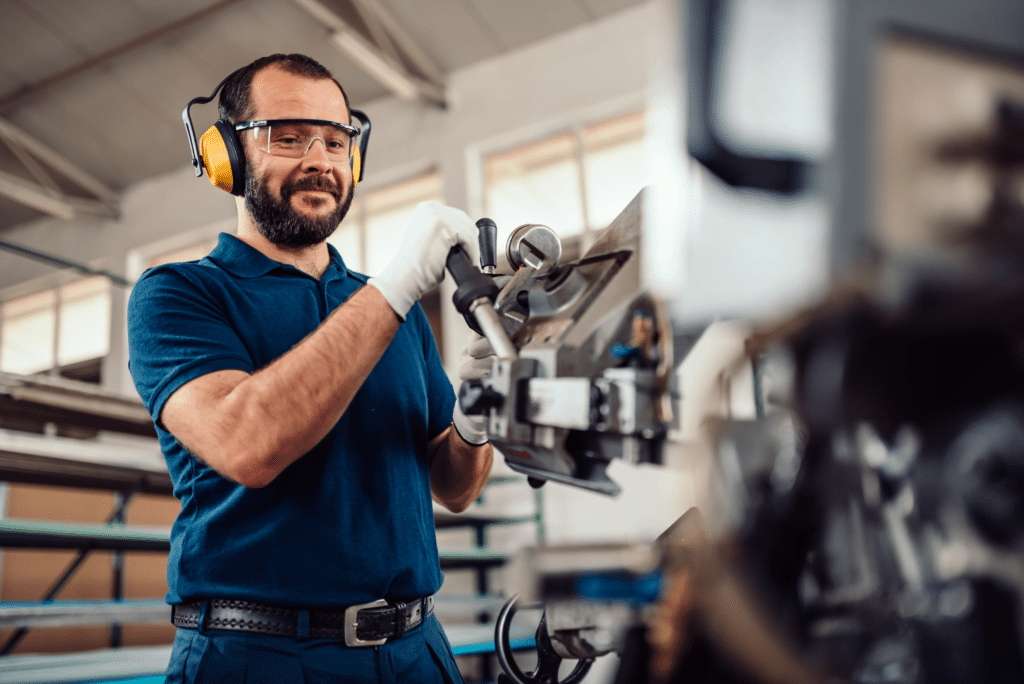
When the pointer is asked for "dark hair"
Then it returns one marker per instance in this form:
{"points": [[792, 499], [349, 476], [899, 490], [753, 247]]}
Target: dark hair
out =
{"points": [[236, 96]]}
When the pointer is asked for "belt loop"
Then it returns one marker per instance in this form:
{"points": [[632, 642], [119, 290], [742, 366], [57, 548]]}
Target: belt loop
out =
{"points": [[401, 620], [204, 606], [303, 625]]}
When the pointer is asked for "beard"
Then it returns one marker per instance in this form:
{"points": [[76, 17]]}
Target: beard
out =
{"points": [[280, 223]]}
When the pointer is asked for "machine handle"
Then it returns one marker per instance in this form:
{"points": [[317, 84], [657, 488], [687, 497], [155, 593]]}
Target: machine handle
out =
{"points": [[471, 283], [474, 299], [488, 244]]}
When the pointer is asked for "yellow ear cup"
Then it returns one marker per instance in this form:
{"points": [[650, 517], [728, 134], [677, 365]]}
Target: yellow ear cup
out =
{"points": [[215, 156], [357, 165]]}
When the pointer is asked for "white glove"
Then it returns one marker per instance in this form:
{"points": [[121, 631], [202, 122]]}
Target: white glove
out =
{"points": [[418, 267], [477, 360], [472, 429]]}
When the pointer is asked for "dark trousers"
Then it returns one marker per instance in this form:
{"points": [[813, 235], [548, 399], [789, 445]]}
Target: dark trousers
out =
{"points": [[422, 656]]}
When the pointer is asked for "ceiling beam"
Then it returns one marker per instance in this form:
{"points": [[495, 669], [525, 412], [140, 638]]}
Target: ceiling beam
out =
{"points": [[401, 37], [377, 32], [10, 100], [386, 72], [44, 195], [57, 162], [45, 200], [32, 195], [374, 60], [30, 163]]}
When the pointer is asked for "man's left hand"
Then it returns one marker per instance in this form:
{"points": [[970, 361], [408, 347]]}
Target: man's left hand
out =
{"points": [[477, 360]]}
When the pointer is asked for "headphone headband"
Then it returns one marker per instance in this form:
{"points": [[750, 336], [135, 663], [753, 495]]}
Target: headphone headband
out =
{"points": [[186, 117]]}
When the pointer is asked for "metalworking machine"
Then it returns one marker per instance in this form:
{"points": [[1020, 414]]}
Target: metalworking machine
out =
{"points": [[866, 524]]}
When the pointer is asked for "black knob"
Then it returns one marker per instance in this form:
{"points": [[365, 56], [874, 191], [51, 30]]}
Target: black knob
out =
{"points": [[488, 242]]}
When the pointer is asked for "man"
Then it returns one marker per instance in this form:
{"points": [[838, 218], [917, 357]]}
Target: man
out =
{"points": [[304, 415]]}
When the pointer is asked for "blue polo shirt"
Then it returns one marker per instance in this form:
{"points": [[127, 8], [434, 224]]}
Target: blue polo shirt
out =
{"points": [[350, 521]]}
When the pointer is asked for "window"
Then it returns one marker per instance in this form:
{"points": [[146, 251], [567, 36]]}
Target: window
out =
{"points": [[66, 328], [575, 182]]}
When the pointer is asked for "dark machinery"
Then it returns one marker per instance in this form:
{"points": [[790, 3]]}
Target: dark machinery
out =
{"points": [[867, 524]]}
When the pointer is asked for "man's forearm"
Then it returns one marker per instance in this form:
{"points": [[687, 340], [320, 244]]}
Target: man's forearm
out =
{"points": [[458, 471], [252, 427]]}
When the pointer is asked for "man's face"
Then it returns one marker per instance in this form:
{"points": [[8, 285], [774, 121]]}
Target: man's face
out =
{"points": [[296, 202]]}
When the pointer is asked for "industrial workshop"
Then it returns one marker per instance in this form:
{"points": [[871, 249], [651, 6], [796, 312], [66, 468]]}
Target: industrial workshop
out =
{"points": [[512, 341]]}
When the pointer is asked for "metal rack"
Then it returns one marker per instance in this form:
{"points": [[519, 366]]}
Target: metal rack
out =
{"points": [[53, 404]]}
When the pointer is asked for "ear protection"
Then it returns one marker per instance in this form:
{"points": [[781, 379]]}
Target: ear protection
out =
{"points": [[219, 150]]}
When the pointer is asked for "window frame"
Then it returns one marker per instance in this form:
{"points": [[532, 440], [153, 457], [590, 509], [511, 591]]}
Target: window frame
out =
{"points": [[576, 121], [56, 282]]}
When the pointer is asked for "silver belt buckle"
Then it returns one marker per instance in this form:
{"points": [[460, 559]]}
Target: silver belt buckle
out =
{"points": [[351, 616]]}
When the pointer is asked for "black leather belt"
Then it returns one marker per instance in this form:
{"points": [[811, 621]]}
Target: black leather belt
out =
{"points": [[366, 624]]}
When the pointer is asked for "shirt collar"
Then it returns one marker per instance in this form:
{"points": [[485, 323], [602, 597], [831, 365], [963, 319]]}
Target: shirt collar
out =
{"points": [[245, 261]]}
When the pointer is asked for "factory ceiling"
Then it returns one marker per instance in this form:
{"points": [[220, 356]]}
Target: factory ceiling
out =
{"points": [[91, 91]]}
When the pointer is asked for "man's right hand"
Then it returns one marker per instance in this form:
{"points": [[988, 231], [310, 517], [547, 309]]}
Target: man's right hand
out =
{"points": [[419, 264]]}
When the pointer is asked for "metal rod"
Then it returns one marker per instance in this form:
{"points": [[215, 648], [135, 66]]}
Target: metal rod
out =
{"points": [[755, 367], [60, 263], [490, 325], [117, 569], [58, 300]]}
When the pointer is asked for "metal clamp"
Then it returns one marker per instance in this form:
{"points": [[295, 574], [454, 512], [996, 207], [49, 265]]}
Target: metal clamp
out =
{"points": [[352, 623]]}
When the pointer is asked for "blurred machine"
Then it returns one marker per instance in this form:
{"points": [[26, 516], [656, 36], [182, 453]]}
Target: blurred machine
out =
{"points": [[866, 524]]}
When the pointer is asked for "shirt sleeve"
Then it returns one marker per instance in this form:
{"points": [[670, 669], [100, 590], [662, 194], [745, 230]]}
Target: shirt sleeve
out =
{"points": [[440, 394], [178, 331]]}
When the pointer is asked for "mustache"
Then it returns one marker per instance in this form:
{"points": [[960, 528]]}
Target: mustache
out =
{"points": [[320, 183]]}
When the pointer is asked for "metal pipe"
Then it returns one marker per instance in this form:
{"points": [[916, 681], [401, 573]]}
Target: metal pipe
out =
{"points": [[60, 262], [491, 327]]}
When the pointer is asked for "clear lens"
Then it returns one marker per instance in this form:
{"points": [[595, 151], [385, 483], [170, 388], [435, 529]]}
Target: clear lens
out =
{"points": [[297, 140]]}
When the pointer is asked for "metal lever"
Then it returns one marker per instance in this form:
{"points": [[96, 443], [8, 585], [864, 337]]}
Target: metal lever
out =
{"points": [[475, 295]]}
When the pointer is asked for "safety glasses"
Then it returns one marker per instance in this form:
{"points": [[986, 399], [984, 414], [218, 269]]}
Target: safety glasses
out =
{"points": [[293, 138]]}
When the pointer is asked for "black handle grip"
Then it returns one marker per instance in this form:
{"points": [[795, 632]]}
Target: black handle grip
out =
{"points": [[472, 284], [488, 242], [460, 265]]}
